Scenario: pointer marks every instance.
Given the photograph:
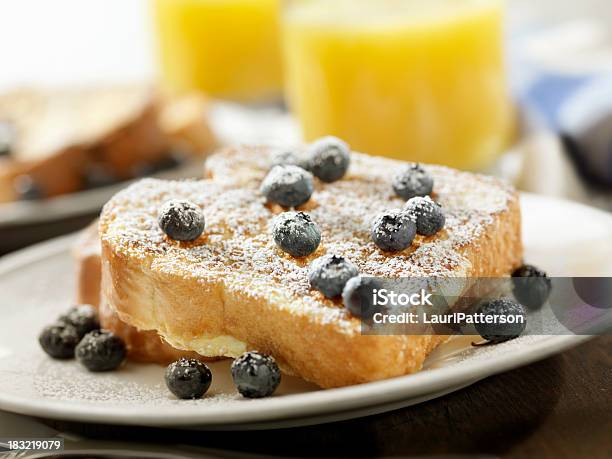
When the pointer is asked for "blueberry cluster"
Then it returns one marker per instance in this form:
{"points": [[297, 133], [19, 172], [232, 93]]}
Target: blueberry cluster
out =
{"points": [[255, 375], [290, 181], [335, 276], [77, 333], [532, 287], [394, 231]]}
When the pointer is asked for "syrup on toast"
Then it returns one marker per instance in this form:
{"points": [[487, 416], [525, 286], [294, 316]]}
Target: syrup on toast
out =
{"points": [[233, 290]]}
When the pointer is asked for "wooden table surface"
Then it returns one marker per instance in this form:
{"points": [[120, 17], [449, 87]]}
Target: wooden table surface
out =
{"points": [[560, 407]]}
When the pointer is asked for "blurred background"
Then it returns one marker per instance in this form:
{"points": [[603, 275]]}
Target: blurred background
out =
{"points": [[96, 93]]}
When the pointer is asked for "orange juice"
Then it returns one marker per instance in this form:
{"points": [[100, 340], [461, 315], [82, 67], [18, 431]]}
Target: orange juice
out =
{"points": [[421, 80], [226, 48]]}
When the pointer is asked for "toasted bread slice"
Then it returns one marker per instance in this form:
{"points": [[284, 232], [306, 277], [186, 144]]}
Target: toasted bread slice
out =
{"points": [[61, 135], [233, 290], [143, 346]]}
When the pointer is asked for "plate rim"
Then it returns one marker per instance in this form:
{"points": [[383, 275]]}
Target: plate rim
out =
{"points": [[288, 407]]}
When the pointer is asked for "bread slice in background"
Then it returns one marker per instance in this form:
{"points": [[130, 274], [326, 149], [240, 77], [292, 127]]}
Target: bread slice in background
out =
{"points": [[62, 135], [232, 290]]}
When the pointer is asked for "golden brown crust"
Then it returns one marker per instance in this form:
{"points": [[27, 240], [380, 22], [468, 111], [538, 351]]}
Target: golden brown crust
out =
{"points": [[143, 346], [232, 290]]}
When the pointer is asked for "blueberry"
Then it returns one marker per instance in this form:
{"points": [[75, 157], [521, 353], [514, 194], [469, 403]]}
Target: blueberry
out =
{"points": [[329, 158], [330, 273], [59, 340], [100, 350], [181, 220], [413, 181], [83, 318], [427, 214], [358, 296], [288, 186], [501, 309], [531, 286], [188, 378], [291, 158], [255, 375], [393, 231], [296, 233], [27, 189]]}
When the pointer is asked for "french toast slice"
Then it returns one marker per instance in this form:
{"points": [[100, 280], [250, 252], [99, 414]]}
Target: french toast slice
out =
{"points": [[233, 290], [62, 138]]}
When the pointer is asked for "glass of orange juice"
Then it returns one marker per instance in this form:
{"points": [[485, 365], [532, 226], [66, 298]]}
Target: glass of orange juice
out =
{"points": [[421, 80], [229, 49]]}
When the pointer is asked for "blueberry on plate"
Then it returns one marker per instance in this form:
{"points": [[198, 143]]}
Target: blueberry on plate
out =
{"points": [[291, 158], [296, 233], [59, 340], [84, 318], [329, 158], [507, 320], [181, 220], [413, 181], [426, 213], [288, 186], [255, 375], [393, 231], [100, 350], [188, 378], [532, 286], [358, 296], [330, 273]]}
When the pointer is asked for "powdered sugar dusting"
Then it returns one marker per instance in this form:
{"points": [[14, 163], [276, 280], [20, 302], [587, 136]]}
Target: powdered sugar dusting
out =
{"points": [[237, 245]]}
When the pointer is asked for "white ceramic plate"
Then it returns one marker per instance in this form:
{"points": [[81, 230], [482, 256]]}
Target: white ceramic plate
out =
{"points": [[37, 285]]}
